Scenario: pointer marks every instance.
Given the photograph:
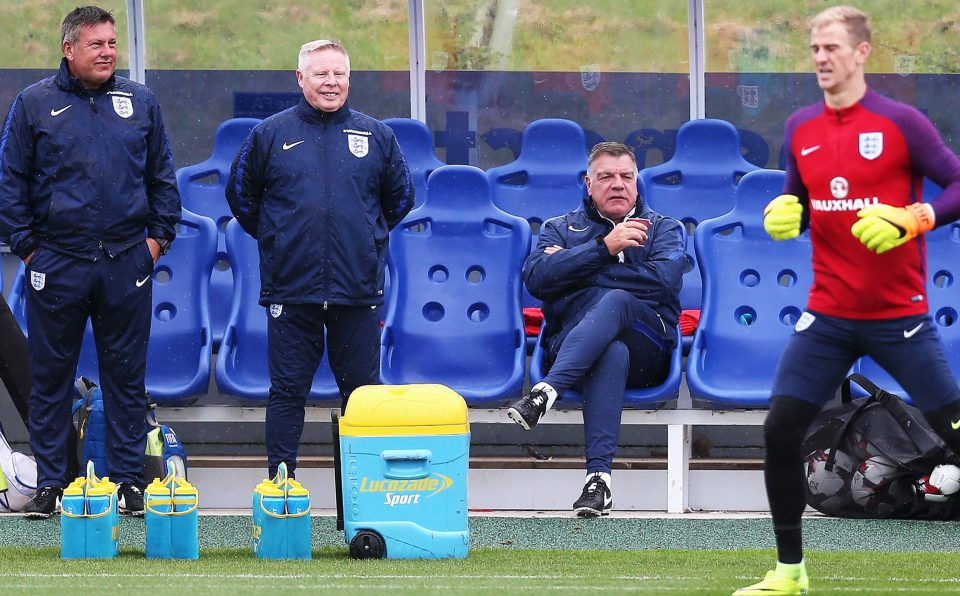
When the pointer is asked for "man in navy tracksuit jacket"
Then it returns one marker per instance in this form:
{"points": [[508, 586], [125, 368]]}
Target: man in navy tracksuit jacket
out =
{"points": [[320, 186], [88, 200], [609, 275]]}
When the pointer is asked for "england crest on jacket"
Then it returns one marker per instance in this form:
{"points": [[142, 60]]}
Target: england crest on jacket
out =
{"points": [[122, 106], [358, 145]]}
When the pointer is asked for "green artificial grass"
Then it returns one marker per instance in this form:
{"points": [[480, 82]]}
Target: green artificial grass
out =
{"points": [[485, 571]]}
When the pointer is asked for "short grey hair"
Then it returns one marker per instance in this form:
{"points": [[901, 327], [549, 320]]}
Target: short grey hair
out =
{"points": [[83, 16], [609, 148], [321, 44]]}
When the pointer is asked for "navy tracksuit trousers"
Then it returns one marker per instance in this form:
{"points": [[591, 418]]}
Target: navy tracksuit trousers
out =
{"points": [[115, 294], [616, 344], [295, 346]]}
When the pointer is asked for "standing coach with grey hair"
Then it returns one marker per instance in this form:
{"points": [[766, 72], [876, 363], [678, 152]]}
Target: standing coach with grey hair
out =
{"points": [[319, 186], [88, 200]]}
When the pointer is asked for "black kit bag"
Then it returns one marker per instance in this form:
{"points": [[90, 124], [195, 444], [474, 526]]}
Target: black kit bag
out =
{"points": [[864, 458]]}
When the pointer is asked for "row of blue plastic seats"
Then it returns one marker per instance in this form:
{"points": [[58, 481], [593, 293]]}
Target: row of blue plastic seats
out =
{"points": [[206, 288], [453, 313], [545, 180]]}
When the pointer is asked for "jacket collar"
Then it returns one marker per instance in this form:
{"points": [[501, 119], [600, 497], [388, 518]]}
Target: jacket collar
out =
{"points": [[594, 215], [68, 82], [311, 114]]}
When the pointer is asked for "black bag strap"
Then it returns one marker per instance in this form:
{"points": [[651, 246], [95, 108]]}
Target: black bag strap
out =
{"points": [[868, 385], [838, 438], [922, 440], [876, 395]]}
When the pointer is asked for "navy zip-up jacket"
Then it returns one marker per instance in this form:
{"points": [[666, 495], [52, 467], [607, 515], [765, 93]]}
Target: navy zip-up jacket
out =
{"points": [[85, 170], [571, 280], [320, 191]]}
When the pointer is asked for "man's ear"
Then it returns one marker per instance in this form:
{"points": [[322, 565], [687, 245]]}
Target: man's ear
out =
{"points": [[67, 48]]}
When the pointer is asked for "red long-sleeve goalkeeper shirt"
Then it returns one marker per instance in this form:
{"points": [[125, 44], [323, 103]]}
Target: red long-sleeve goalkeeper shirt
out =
{"points": [[839, 161]]}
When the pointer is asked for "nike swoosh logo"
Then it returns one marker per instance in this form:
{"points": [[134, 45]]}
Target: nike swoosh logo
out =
{"points": [[56, 113], [808, 150], [573, 229], [291, 145], [955, 425], [140, 282], [912, 332]]}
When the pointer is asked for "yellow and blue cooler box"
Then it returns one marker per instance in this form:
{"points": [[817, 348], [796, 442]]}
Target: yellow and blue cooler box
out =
{"points": [[281, 518], [89, 521], [171, 518], [404, 457]]}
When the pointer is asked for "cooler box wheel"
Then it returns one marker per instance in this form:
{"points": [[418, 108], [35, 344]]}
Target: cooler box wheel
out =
{"points": [[367, 544]]}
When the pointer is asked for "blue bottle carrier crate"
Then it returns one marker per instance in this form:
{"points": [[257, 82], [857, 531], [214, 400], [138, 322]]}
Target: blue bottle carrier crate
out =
{"points": [[89, 520], [402, 463]]}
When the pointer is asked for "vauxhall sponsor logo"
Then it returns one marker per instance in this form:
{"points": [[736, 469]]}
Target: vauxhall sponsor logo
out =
{"points": [[839, 187], [843, 204]]}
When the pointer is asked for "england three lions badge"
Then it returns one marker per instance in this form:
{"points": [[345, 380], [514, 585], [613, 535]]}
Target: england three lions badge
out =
{"points": [[122, 106], [358, 145], [871, 145], [38, 280]]}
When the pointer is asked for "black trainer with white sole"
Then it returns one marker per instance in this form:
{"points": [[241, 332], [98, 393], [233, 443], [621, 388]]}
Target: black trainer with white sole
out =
{"points": [[45, 502], [129, 499], [595, 500], [529, 409]]}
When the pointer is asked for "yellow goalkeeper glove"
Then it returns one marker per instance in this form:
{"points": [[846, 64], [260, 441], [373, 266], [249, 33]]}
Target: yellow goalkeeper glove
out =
{"points": [[781, 217], [882, 227]]}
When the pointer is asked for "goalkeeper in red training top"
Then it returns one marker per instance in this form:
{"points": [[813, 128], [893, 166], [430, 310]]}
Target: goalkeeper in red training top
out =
{"points": [[855, 168]]}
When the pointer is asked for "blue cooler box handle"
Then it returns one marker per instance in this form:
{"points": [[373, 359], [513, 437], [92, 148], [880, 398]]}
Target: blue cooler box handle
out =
{"points": [[404, 464]]}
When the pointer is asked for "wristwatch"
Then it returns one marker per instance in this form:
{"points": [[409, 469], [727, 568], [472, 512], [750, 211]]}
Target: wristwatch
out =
{"points": [[164, 245]]}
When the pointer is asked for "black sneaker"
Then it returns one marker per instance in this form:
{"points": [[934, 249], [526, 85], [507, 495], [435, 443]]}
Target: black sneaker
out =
{"points": [[45, 502], [595, 500], [129, 499], [529, 409]]}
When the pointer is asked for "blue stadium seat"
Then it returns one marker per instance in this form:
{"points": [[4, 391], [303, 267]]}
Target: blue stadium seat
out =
{"points": [[181, 342], [16, 299], [202, 189], [416, 143], [241, 369], [647, 398], [454, 309], [943, 299], [698, 182], [180, 348], [755, 290], [544, 181]]}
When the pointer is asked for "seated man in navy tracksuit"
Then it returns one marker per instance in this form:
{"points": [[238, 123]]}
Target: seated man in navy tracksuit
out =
{"points": [[320, 186], [609, 275]]}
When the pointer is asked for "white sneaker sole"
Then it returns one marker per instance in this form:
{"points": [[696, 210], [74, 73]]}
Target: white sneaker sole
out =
{"points": [[590, 512], [38, 515], [514, 415]]}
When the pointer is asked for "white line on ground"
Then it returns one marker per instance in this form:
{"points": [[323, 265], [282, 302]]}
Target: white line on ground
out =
{"points": [[940, 581]]}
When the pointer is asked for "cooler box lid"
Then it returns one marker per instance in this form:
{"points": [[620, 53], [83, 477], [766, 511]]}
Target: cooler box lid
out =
{"points": [[376, 410]]}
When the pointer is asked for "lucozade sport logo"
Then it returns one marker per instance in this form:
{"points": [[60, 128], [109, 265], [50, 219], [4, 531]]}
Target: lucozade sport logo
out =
{"points": [[407, 491]]}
